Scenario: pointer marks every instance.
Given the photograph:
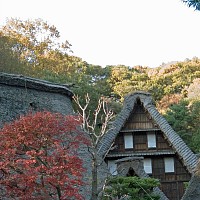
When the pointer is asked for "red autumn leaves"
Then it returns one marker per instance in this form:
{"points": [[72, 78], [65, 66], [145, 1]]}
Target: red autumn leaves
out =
{"points": [[38, 157]]}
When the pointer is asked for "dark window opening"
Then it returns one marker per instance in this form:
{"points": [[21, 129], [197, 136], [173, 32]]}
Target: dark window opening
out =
{"points": [[131, 172]]}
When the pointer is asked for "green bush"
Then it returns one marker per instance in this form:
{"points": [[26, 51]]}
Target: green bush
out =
{"points": [[131, 188]]}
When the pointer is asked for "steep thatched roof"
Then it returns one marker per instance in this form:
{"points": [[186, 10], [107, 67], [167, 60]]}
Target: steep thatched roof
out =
{"points": [[178, 145], [32, 83], [193, 190]]}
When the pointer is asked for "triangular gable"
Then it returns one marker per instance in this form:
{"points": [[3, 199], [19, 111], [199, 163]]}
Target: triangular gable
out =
{"points": [[179, 146], [139, 119]]}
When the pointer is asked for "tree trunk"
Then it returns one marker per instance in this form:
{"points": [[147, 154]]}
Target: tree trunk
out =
{"points": [[94, 177]]}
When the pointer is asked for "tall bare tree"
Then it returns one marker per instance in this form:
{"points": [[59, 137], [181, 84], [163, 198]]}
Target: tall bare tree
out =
{"points": [[95, 127]]}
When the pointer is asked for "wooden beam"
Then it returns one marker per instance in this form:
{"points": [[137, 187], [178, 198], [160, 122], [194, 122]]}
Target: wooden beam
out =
{"points": [[139, 130]]}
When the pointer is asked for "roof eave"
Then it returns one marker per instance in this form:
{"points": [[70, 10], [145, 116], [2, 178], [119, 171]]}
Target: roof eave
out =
{"points": [[33, 83]]}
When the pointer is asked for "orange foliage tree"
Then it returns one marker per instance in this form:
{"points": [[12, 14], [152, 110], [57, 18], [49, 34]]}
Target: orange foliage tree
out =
{"points": [[38, 157]]}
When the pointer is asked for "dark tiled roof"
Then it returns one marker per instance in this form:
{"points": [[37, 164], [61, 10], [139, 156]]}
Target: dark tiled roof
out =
{"points": [[179, 146], [32, 83]]}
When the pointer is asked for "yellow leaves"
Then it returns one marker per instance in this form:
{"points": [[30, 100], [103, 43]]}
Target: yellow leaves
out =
{"points": [[33, 39]]}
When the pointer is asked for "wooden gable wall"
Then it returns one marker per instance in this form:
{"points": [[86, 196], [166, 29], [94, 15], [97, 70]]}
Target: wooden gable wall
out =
{"points": [[139, 119]]}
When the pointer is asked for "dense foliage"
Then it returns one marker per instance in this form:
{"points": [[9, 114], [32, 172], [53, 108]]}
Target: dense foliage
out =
{"points": [[131, 188], [38, 158], [46, 57], [193, 3], [185, 117]]}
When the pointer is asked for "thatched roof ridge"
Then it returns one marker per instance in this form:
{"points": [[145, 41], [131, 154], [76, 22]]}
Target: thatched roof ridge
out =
{"points": [[179, 146], [33, 83]]}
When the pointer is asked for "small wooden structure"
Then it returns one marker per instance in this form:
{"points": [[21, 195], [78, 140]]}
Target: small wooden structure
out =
{"points": [[140, 130]]}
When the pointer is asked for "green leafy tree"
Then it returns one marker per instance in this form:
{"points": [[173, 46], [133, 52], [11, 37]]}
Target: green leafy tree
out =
{"points": [[37, 43], [93, 80], [184, 118], [131, 188], [9, 60], [194, 108], [33, 39], [124, 79], [120, 80], [179, 118]]}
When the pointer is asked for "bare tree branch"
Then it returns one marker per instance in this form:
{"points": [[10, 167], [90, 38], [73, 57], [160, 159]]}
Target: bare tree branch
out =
{"points": [[96, 133]]}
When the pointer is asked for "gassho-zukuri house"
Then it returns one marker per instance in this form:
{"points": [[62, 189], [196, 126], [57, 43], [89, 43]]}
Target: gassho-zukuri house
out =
{"points": [[140, 132], [144, 143]]}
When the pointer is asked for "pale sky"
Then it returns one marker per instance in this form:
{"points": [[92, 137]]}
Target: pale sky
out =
{"points": [[111, 32]]}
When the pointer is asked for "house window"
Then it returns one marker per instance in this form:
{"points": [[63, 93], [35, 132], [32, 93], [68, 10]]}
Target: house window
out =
{"points": [[151, 137], [112, 166], [169, 164], [128, 141], [148, 165]]}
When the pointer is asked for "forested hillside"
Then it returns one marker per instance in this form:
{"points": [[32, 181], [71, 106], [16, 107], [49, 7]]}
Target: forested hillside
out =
{"points": [[33, 48]]}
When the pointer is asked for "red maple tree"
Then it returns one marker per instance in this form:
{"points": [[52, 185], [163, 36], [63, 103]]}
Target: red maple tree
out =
{"points": [[38, 157]]}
